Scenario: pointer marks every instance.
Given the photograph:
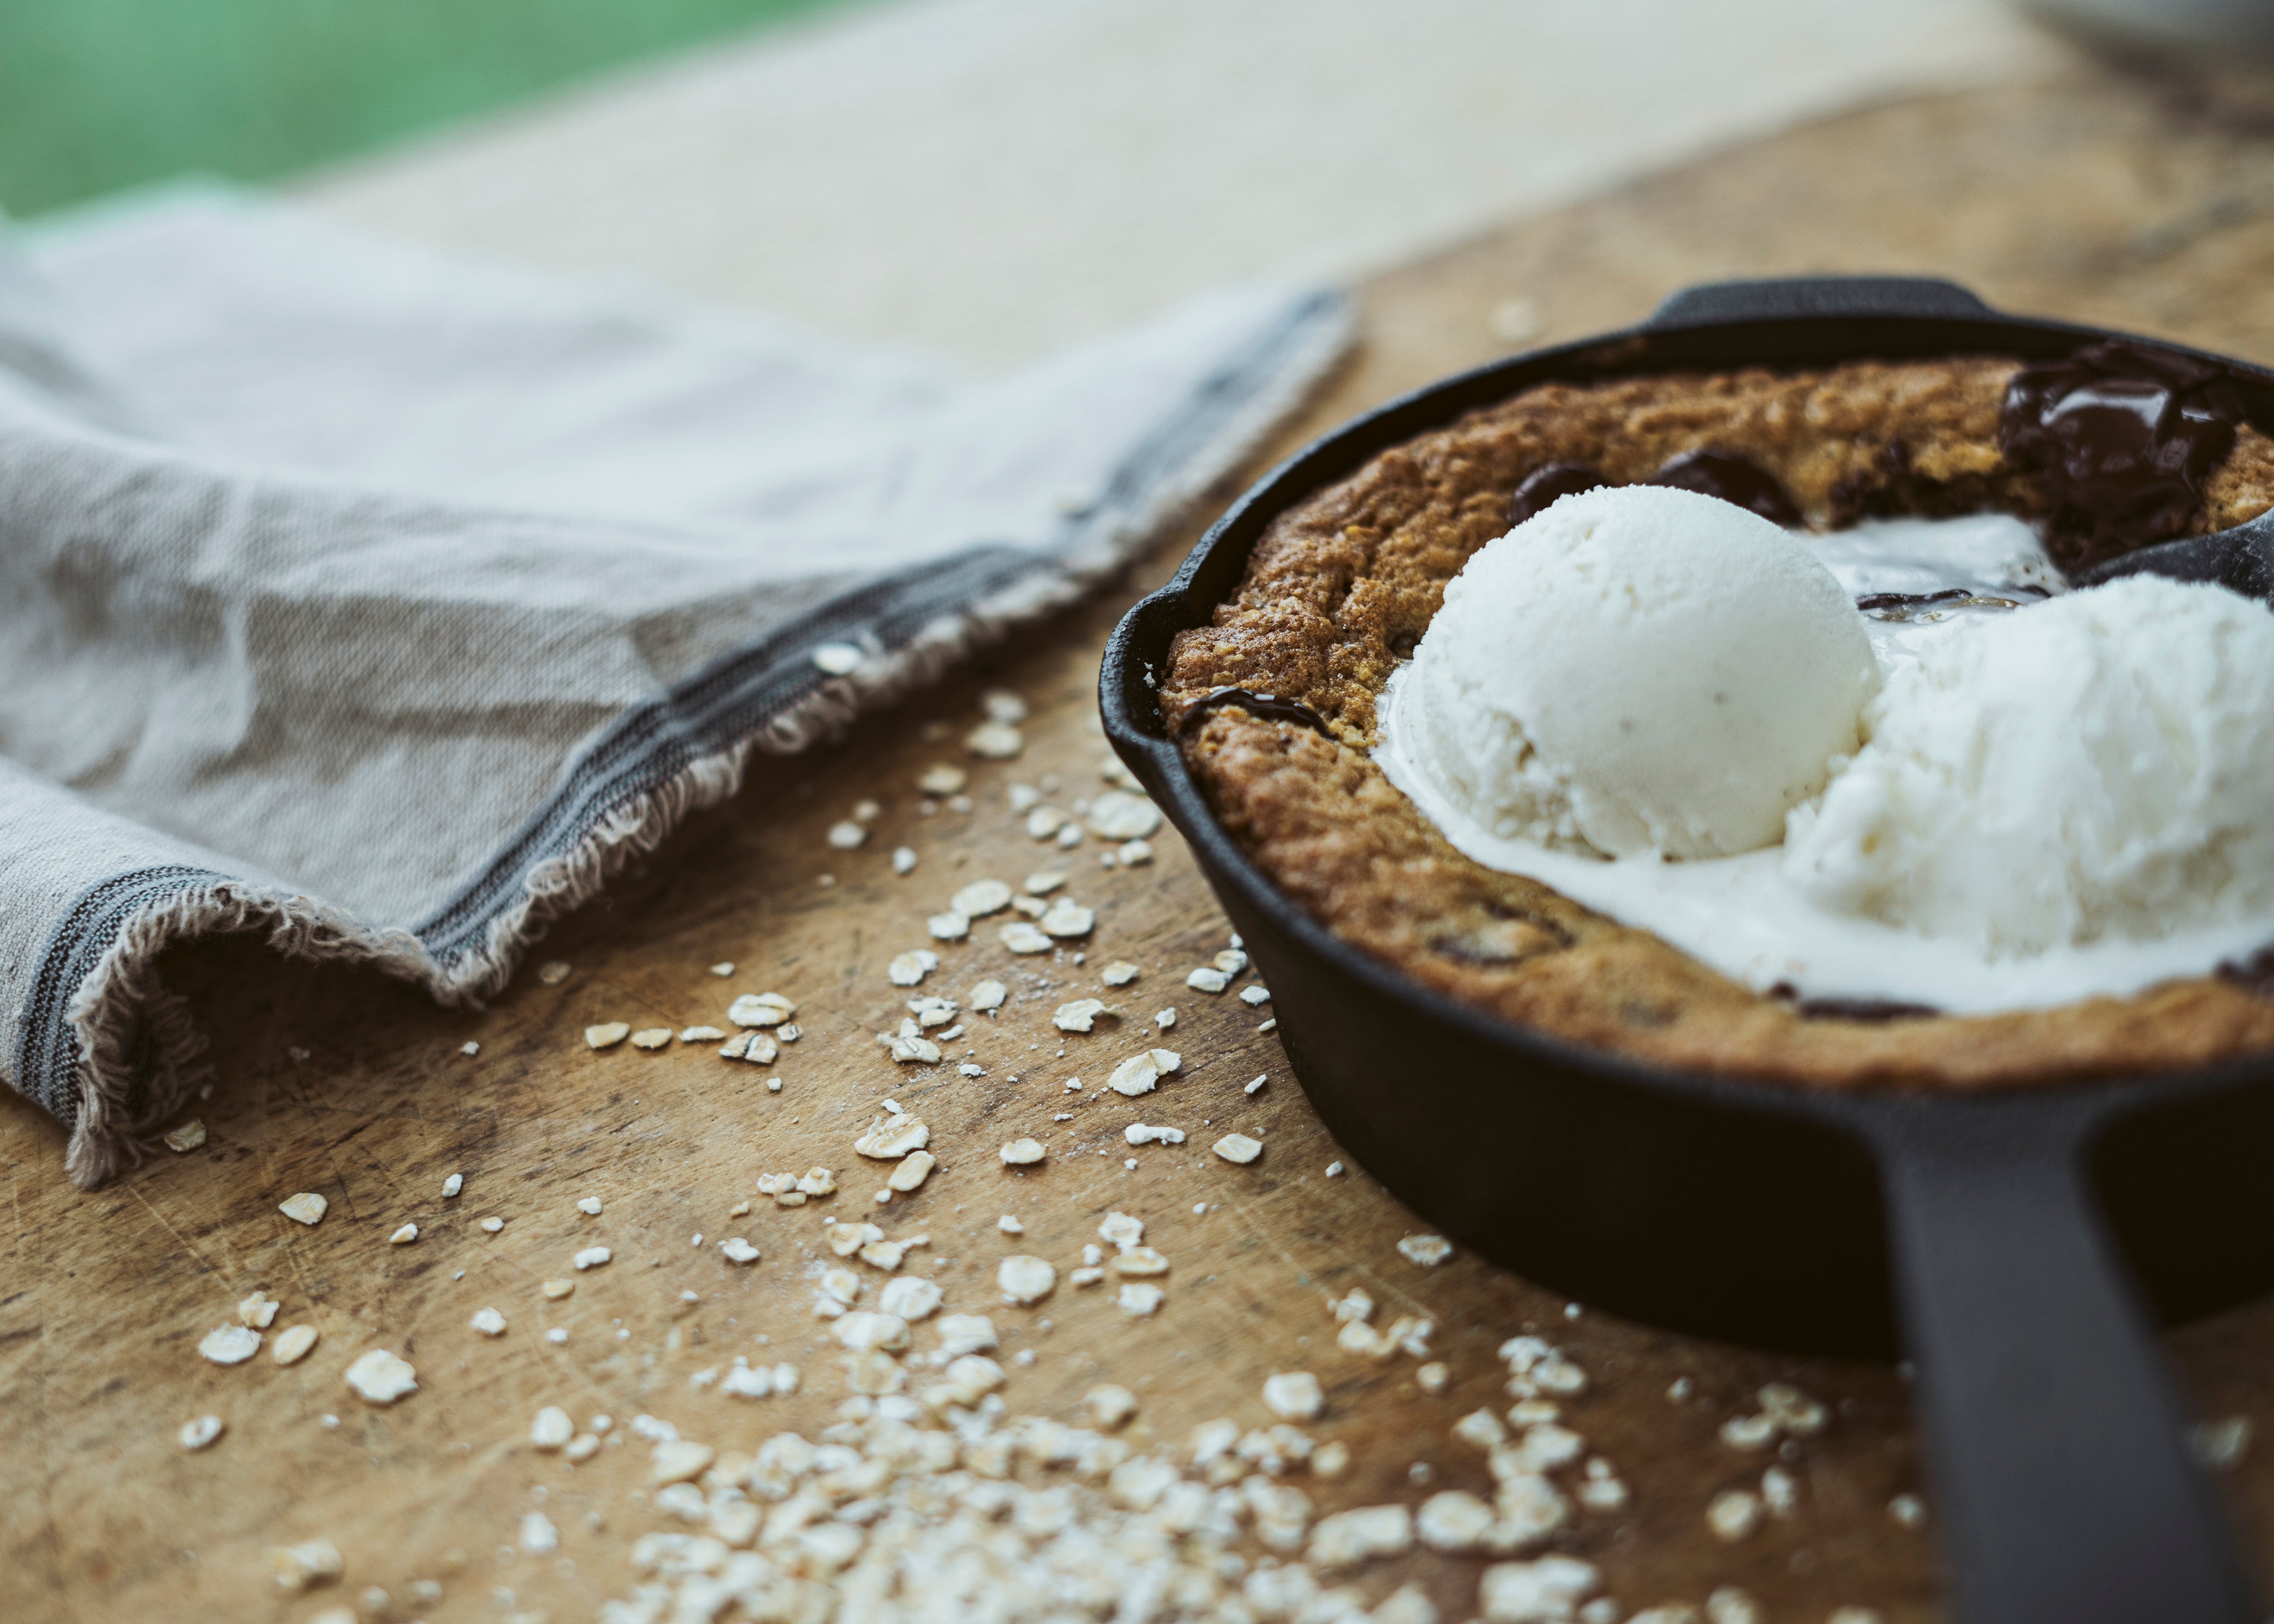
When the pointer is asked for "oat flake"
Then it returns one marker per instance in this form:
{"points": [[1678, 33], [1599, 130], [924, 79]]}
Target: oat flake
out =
{"points": [[293, 1344], [1024, 1278], [380, 1378], [232, 1344], [306, 1207]]}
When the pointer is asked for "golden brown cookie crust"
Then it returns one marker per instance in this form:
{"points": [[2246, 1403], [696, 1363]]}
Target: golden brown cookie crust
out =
{"points": [[1340, 587]]}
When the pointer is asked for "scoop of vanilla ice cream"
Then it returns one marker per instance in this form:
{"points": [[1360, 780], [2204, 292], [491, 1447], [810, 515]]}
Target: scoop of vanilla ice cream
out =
{"points": [[1637, 669], [2101, 765]]}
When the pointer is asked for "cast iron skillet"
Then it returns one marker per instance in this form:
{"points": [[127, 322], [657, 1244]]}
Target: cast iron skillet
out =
{"points": [[2019, 1240]]}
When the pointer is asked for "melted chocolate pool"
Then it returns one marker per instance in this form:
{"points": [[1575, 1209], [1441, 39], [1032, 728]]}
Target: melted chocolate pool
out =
{"points": [[2122, 437]]}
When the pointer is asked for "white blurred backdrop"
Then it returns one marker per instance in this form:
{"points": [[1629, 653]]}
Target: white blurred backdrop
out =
{"points": [[997, 178]]}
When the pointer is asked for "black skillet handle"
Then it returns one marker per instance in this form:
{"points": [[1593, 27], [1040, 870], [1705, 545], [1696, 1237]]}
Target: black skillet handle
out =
{"points": [[2065, 1490], [1712, 303]]}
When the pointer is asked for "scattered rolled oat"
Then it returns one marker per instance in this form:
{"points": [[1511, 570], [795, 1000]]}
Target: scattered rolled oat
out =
{"points": [[538, 1537], [491, 1226], [909, 1298], [995, 742], [1117, 815], [893, 1136], [1144, 1133], [1043, 881], [1164, 1019], [1428, 1251], [904, 860], [1734, 1515], [652, 1037], [302, 1566], [196, 1434], [912, 1172], [1349, 1538], [1206, 978], [1008, 1222], [738, 1250], [1455, 1522], [1140, 1261], [186, 1137], [1077, 1016], [676, 1460], [293, 1344], [591, 1257], [837, 659], [1544, 1591], [1134, 854], [1433, 1376], [1002, 704], [1254, 996], [942, 779], [1138, 1300], [1794, 1411], [380, 1377], [1021, 937], [1138, 1073], [258, 1310], [948, 927], [1256, 1086], [1231, 961], [306, 1207], [1293, 1395], [607, 1035], [405, 1236], [1025, 1279], [1238, 1147], [488, 1321], [232, 1344], [589, 1205], [453, 1184], [980, 898], [760, 1009], [698, 1035], [1067, 918], [907, 969], [724, 968], [551, 1428], [846, 836], [553, 972], [988, 994]]}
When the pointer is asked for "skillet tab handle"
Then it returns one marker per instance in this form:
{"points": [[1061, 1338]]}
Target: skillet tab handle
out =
{"points": [[2053, 1439], [1712, 303]]}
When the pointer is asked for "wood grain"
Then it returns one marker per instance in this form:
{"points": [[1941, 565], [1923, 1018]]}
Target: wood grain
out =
{"points": [[2106, 200]]}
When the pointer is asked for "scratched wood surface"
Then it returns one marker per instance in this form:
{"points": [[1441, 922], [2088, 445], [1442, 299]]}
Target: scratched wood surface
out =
{"points": [[2138, 204]]}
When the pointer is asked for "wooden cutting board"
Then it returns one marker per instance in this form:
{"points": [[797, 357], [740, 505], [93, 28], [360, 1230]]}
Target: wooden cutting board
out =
{"points": [[2135, 203]]}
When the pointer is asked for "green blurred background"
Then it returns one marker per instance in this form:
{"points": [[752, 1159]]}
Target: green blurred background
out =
{"points": [[97, 94]]}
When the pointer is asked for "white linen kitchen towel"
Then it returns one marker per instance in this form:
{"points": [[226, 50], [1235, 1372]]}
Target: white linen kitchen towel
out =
{"points": [[385, 602]]}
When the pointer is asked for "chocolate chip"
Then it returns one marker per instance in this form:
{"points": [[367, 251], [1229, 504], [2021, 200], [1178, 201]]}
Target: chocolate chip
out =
{"points": [[1265, 707], [1543, 486], [1733, 479]]}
